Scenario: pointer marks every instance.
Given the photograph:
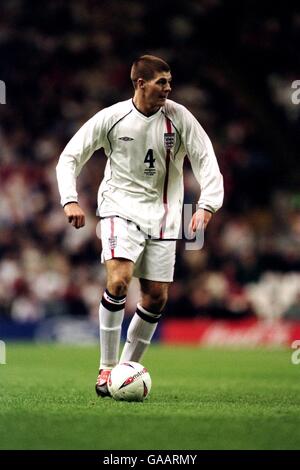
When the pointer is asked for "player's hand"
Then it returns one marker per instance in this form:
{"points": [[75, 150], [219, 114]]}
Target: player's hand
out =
{"points": [[200, 220], [75, 214]]}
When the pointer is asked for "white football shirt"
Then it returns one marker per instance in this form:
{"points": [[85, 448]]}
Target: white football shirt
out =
{"points": [[143, 180]]}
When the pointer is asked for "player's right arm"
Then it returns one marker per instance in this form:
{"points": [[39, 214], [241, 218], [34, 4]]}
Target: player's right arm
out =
{"points": [[77, 152], [75, 214]]}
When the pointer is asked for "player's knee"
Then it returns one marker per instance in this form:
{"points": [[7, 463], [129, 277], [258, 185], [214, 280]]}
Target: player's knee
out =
{"points": [[157, 301], [118, 285]]}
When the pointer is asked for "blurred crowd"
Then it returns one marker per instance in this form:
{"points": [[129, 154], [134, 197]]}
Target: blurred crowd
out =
{"points": [[232, 67]]}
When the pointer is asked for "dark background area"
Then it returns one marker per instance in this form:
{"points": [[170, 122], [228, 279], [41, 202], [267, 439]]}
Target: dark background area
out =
{"points": [[233, 65]]}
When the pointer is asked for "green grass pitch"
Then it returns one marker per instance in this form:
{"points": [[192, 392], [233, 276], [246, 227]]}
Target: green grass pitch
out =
{"points": [[200, 399]]}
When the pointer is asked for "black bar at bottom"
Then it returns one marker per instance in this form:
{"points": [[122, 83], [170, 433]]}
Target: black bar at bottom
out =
{"points": [[137, 458]]}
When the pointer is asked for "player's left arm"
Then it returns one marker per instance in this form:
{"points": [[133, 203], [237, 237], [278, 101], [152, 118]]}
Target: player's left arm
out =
{"points": [[200, 220], [205, 168]]}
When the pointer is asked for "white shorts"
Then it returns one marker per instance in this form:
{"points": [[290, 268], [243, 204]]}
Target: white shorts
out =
{"points": [[154, 259]]}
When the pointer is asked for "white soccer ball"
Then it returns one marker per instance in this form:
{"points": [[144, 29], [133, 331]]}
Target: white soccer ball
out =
{"points": [[129, 381]]}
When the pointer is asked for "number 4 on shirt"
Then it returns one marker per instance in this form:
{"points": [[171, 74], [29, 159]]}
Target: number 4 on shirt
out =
{"points": [[149, 158]]}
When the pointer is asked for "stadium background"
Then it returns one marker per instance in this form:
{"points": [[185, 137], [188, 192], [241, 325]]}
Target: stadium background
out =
{"points": [[233, 65]]}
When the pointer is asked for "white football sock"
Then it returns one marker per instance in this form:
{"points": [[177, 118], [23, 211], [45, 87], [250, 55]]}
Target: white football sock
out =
{"points": [[111, 313], [139, 334]]}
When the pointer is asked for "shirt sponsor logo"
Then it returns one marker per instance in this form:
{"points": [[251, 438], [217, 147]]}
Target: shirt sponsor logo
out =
{"points": [[126, 139], [169, 140]]}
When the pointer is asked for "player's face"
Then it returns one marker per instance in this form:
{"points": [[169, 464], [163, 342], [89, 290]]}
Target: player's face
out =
{"points": [[157, 90]]}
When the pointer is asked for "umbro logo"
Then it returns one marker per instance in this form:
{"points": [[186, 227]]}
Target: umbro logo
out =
{"points": [[126, 139]]}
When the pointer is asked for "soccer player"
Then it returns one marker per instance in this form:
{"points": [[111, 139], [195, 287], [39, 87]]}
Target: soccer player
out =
{"points": [[140, 201]]}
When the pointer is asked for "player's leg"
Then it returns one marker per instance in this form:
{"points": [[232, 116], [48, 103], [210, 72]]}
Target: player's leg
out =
{"points": [[111, 313], [119, 274], [142, 327], [155, 270], [120, 250]]}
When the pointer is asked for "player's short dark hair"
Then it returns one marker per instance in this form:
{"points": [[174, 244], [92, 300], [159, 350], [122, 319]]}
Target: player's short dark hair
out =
{"points": [[146, 67]]}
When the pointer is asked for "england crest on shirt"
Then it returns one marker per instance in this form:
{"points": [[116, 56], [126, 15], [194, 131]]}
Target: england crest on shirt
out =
{"points": [[169, 140]]}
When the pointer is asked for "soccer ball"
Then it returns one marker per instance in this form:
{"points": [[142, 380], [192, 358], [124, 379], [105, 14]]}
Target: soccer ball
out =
{"points": [[129, 381]]}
